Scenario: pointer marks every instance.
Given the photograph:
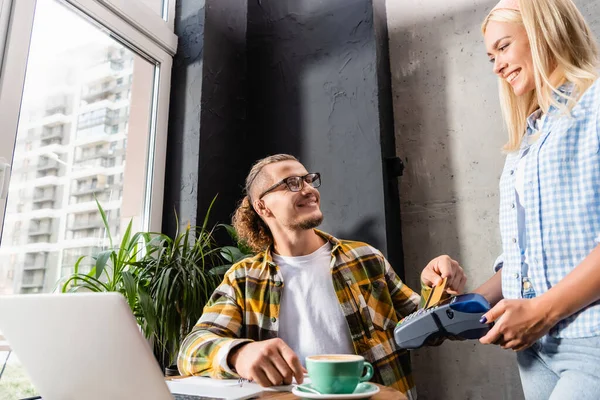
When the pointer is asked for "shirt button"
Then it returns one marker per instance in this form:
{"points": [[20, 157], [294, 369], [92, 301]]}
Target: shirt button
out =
{"points": [[273, 319], [512, 171], [516, 275], [514, 240], [512, 205]]}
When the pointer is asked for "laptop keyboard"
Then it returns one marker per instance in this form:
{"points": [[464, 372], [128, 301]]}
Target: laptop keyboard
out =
{"points": [[190, 397]]}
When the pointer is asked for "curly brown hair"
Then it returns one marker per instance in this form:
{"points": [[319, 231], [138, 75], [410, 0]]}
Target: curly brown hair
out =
{"points": [[250, 227]]}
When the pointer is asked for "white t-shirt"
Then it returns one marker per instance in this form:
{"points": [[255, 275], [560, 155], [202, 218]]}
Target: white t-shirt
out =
{"points": [[311, 320]]}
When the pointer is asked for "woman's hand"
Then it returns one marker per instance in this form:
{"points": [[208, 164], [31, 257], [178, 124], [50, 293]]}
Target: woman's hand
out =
{"points": [[518, 323], [445, 267]]}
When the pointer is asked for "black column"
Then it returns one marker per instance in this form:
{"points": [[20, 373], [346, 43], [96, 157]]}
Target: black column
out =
{"points": [[305, 77], [319, 88], [183, 144], [223, 135], [207, 126]]}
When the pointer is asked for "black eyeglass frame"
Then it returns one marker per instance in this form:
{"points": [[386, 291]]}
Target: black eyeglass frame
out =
{"points": [[316, 182]]}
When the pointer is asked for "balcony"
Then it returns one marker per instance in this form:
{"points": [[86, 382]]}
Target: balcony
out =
{"points": [[105, 71], [56, 109], [87, 224], [52, 133], [95, 155], [45, 181], [97, 94], [85, 123], [88, 189], [53, 120], [45, 229], [34, 267], [47, 164], [43, 197], [32, 285]]}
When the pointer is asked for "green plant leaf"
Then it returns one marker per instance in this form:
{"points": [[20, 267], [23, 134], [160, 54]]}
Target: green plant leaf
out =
{"points": [[101, 260], [149, 311], [130, 288], [230, 231], [104, 221], [205, 222], [232, 254], [220, 270]]}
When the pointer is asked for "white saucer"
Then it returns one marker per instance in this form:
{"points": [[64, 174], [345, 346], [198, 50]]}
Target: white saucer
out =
{"points": [[364, 390]]}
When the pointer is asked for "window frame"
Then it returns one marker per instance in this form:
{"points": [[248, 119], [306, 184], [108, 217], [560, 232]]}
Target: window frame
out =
{"points": [[130, 22]]}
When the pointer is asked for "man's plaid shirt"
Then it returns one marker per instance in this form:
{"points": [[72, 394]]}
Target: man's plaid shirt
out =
{"points": [[245, 307]]}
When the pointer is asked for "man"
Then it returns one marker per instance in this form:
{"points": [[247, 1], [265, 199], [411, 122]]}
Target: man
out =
{"points": [[304, 293]]}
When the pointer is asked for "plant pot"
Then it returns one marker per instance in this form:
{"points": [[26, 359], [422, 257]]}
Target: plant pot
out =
{"points": [[171, 371]]}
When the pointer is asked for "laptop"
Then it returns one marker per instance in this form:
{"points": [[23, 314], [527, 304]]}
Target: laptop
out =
{"points": [[88, 346]]}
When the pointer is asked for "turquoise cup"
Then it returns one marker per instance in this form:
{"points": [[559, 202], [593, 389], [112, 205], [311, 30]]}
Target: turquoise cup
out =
{"points": [[337, 373]]}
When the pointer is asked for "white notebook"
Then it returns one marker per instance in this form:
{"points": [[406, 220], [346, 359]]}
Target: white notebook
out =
{"points": [[225, 389], [220, 389]]}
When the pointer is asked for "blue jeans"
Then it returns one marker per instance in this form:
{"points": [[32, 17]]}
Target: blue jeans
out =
{"points": [[561, 369]]}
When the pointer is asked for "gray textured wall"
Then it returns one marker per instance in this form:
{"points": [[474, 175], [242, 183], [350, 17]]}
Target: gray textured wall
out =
{"points": [[207, 127], [313, 92], [449, 131], [183, 143], [224, 161]]}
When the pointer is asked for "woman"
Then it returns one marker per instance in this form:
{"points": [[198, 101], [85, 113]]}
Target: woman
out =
{"points": [[549, 273]]}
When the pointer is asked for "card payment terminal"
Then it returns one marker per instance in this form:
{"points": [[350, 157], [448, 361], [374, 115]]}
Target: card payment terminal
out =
{"points": [[457, 317]]}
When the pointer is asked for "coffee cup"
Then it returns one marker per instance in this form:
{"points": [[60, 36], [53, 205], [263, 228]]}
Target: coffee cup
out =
{"points": [[337, 373]]}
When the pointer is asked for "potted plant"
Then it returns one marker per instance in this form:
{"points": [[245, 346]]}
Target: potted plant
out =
{"points": [[179, 287], [166, 280], [114, 269]]}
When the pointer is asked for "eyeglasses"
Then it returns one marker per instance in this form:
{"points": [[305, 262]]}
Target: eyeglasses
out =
{"points": [[296, 183]]}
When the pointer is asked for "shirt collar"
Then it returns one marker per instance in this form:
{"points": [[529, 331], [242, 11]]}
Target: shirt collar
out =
{"points": [[535, 117], [268, 253]]}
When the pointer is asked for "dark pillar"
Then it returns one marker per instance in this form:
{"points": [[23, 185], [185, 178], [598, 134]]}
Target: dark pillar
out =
{"points": [[305, 77], [207, 131], [319, 88], [223, 134], [183, 144]]}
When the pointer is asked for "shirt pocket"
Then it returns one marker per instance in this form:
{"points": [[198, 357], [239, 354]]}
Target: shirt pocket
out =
{"points": [[360, 308], [379, 306]]}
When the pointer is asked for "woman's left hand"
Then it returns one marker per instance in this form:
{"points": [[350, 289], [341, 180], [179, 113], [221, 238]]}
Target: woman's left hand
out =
{"points": [[518, 323]]}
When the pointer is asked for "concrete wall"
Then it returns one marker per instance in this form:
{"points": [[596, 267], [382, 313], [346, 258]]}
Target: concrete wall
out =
{"points": [[223, 135], [183, 143], [313, 91], [449, 132]]}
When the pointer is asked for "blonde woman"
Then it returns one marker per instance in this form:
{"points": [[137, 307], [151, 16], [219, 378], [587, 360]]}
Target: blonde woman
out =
{"points": [[547, 285]]}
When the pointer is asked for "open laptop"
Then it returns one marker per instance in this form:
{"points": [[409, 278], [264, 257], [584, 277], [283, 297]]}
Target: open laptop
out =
{"points": [[87, 346]]}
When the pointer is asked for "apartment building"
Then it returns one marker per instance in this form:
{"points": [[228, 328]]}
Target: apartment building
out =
{"points": [[70, 151]]}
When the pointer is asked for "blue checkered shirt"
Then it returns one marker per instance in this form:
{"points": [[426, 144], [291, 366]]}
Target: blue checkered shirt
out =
{"points": [[561, 200]]}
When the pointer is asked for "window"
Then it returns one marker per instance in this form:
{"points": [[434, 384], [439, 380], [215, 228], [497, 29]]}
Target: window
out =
{"points": [[63, 63]]}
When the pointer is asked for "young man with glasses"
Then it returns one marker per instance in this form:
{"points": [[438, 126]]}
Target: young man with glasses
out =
{"points": [[304, 293]]}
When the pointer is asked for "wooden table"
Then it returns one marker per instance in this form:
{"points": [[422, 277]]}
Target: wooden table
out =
{"points": [[385, 393]]}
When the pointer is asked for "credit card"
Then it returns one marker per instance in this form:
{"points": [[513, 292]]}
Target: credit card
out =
{"points": [[437, 294]]}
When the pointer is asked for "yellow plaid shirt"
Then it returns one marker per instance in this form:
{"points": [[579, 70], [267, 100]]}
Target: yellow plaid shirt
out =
{"points": [[245, 307]]}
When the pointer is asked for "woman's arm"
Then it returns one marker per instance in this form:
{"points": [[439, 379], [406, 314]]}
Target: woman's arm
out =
{"points": [[526, 320], [579, 289], [492, 288]]}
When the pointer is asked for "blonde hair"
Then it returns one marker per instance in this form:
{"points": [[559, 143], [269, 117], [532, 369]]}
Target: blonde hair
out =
{"points": [[560, 41], [249, 226]]}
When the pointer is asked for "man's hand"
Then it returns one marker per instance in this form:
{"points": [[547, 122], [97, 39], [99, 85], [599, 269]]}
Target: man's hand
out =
{"points": [[523, 322], [444, 267], [269, 363]]}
